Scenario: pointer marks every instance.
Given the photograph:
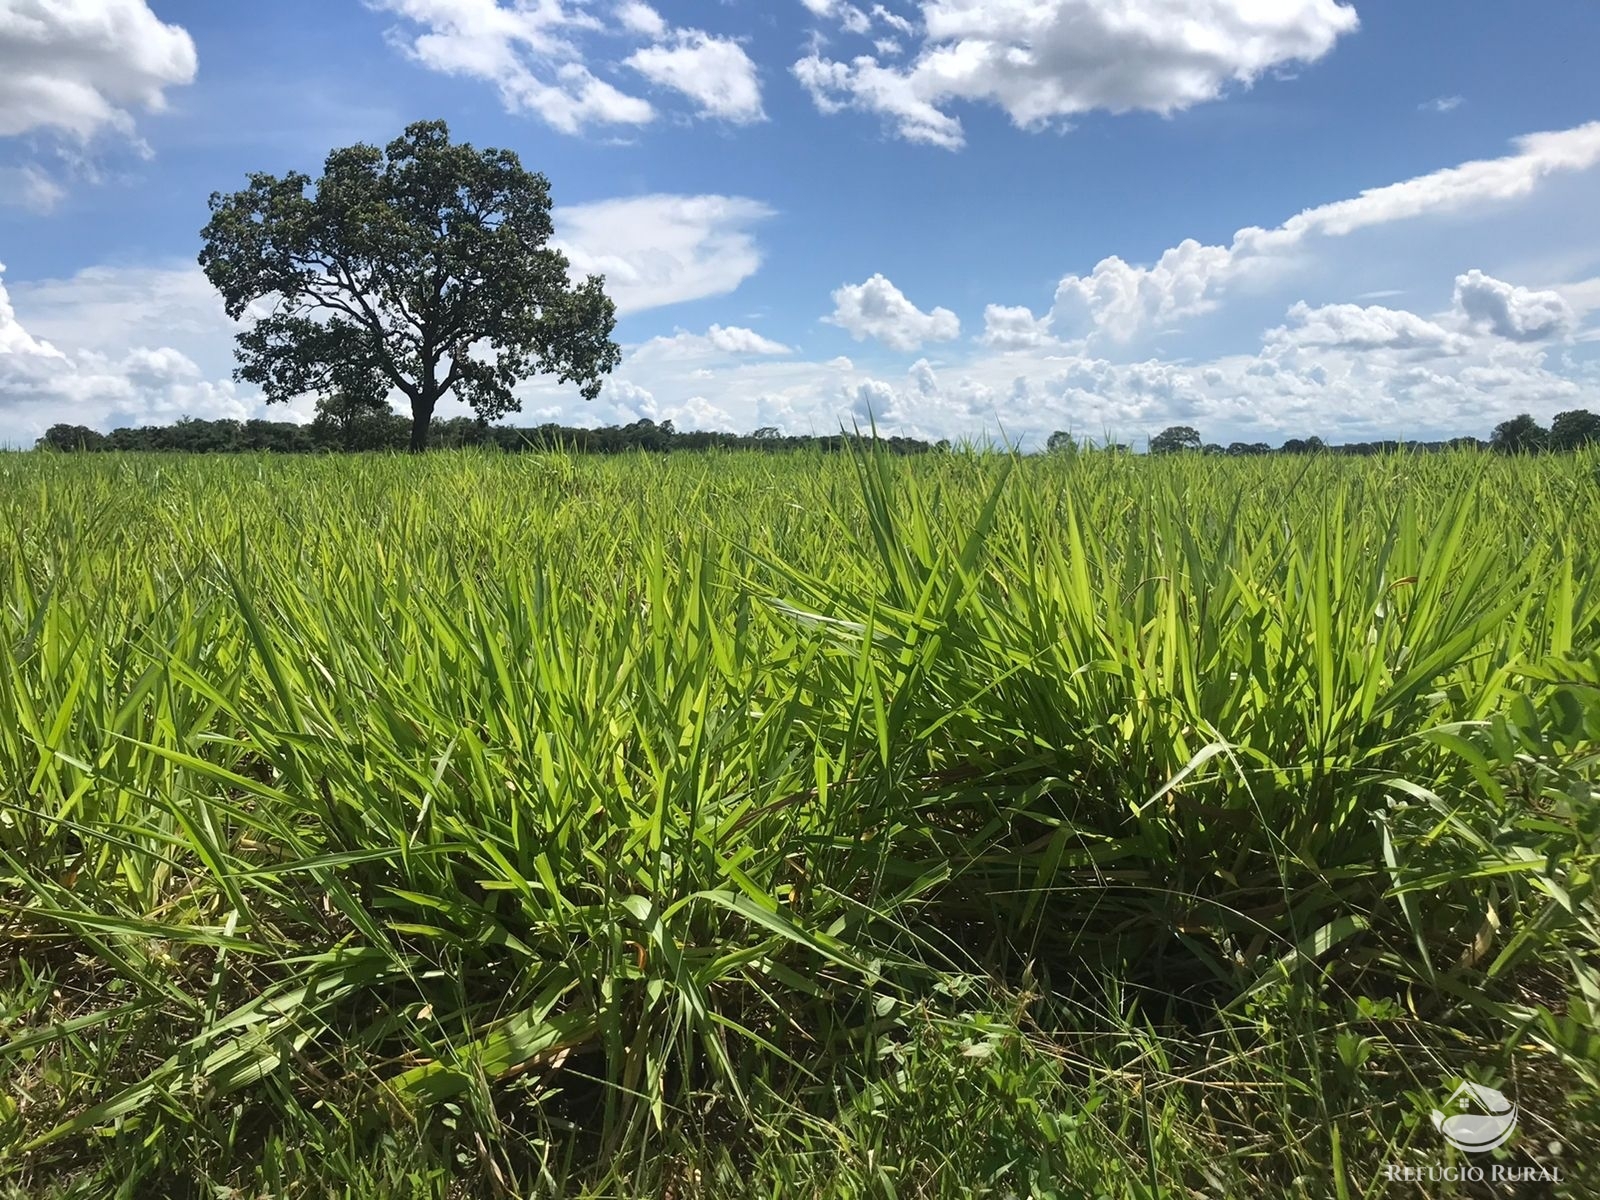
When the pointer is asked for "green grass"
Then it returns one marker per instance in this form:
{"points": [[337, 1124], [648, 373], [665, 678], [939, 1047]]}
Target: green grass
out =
{"points": [[792, 825]]}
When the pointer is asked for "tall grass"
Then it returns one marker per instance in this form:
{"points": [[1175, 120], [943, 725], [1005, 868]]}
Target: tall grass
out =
{"points": [[792, 824]]}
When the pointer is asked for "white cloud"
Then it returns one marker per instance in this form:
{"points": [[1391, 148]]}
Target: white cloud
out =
{"points": [[29, 188], [734, 340], [719, 340], [529, 51], [113, 311], [14, 339], [893, 20], [537, 55], [713, 72], [659, 249], [851, 18], [1007, 328], [1583, 296], [641, 18], [1442, 104], [1351, 327], [83, 352], [629, 396], [1120, 300], [835, 86], [880, 310], [1338, 393], [1043, 61], [78, 67], [42, 385], [697, 413], [1510, 311]]}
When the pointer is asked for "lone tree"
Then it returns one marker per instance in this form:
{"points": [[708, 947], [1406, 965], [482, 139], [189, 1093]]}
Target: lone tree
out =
{"points": [[1174, 438], [1520, 435], [1061, 442], [423, 267]]}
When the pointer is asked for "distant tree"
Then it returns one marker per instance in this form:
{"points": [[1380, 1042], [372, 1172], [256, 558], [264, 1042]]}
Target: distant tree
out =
{"points": [[1574, 430], [1310, 445], [351, 422], [1061, 442], [1175, 438], [1211, 448], [1520, 435], [71, 437], [423, 267], [767, 433]]}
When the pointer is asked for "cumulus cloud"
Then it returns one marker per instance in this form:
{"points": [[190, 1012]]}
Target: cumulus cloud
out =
{"points": [[641, 18], [14, 339], [1337, 392], [1442, 104], [663, 249], [734, 340], [713, 72], [530, 53], [1510, 311], [719, 340], [539, 55], [1047, 60], [1015, 328], [1352, 327], [85, 354], [42, 385], [878, 309], [1120, 300], [80, 67]]}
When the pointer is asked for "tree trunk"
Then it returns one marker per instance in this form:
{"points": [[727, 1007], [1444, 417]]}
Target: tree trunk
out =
{"points": [[421, 416]]}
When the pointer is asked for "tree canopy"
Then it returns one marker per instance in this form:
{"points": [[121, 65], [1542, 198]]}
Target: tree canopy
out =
{"points": [[1520, 435], [1575, 429], [1174, 438], [422, 268]]}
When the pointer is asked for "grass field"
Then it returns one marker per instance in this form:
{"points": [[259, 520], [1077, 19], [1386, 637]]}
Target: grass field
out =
{"points": [[790, 825]]}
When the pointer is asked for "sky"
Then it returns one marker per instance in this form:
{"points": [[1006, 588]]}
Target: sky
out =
{"points": [[965, 219]]}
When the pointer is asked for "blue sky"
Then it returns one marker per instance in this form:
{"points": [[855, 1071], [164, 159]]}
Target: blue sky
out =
{"points": [[964, 217]]}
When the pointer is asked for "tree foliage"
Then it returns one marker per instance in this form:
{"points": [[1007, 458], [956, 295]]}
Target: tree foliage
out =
{"points": [[422, 268], [71, 437], [1575, 429], [1520, 435], [1175, 438], [1061, 442]]}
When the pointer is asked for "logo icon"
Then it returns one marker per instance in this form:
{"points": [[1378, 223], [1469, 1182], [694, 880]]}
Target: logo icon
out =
{"points": [[1482, 1118]]}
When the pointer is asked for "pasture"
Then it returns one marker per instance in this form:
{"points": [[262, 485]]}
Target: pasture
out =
{"points": [[786, 824]]}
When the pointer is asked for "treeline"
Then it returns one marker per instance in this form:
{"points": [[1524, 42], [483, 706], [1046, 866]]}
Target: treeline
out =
{"points": [[1570, 430], [369, 431], [382, 432]]}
